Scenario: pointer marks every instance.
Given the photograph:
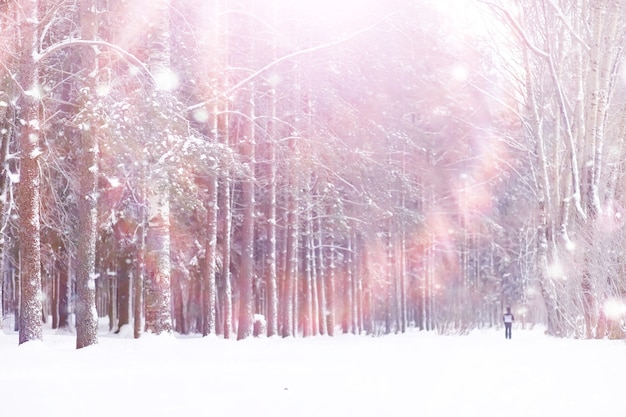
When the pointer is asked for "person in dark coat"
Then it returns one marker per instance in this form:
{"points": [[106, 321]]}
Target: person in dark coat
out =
{"points": [[508, 322]]}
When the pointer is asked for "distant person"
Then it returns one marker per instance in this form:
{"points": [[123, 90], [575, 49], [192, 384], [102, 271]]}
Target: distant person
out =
{"points": [[508, 322]]}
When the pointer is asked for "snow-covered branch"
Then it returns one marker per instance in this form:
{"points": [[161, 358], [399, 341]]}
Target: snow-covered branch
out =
{"points": [[69, 43]]}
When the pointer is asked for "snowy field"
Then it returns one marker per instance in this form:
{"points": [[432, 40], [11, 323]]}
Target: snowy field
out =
{"points": [[415, 374]]}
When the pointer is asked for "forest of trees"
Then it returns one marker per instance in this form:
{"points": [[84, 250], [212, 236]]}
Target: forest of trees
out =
{"points": [[297, 168]]}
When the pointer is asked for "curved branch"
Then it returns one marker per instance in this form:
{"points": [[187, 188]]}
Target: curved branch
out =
{"points": [[68, 43]]}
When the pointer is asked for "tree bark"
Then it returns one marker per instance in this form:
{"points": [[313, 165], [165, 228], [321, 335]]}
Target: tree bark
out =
{"points": [[246, 271], [86, 314], [28, 203], [125, 272], [138, 276], [210, 284], [210, 287], [330, 276], [64, 289], [157, 285], [225, 222], [6, 132], [321, 273], [157, 292], [272, 259], [291, 257]]}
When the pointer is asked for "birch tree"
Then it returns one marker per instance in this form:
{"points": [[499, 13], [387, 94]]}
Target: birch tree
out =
{"points": [[158, 267]]}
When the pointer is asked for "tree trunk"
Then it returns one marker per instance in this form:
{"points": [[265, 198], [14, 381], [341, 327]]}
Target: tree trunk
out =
{"points": [[291, 259], [179, 311], [138, 278], [312, 269], [357, 306], [321, 273], [246, 271], [157, 286], [5, 137], [157, 292], [63, 288], [330, 279], [225, 214], [86, 315], [348, 296], [210, 287], [272, 259], [392, 290], [124, 280], [307, 285], [28, 202], [403, 279], [53, 294]]}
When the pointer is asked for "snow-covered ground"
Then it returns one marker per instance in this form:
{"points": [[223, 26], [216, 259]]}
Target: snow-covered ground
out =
{"points": [[415, 374]]}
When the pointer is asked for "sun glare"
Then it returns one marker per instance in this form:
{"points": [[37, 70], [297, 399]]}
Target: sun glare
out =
{"points": [[614, 309], [460, 73], [166, 80], [555, 270], [326, 8], [465, 15]]}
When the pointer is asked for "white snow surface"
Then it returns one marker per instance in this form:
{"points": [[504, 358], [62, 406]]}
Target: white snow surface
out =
{"points": [[412, 374]]}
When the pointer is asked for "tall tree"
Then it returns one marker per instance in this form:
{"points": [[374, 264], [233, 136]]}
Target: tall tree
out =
{"points": [[158, 265], [218, 131], [30, 326], [6, 134], [271, 278], [246, 271], [86, 314]]}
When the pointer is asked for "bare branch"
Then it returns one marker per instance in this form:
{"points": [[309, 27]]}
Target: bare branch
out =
{"points": [[290, 56], [571, 30], [518, 29]]}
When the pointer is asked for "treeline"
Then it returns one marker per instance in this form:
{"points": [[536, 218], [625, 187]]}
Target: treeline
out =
{"points": [[260, 167]]}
